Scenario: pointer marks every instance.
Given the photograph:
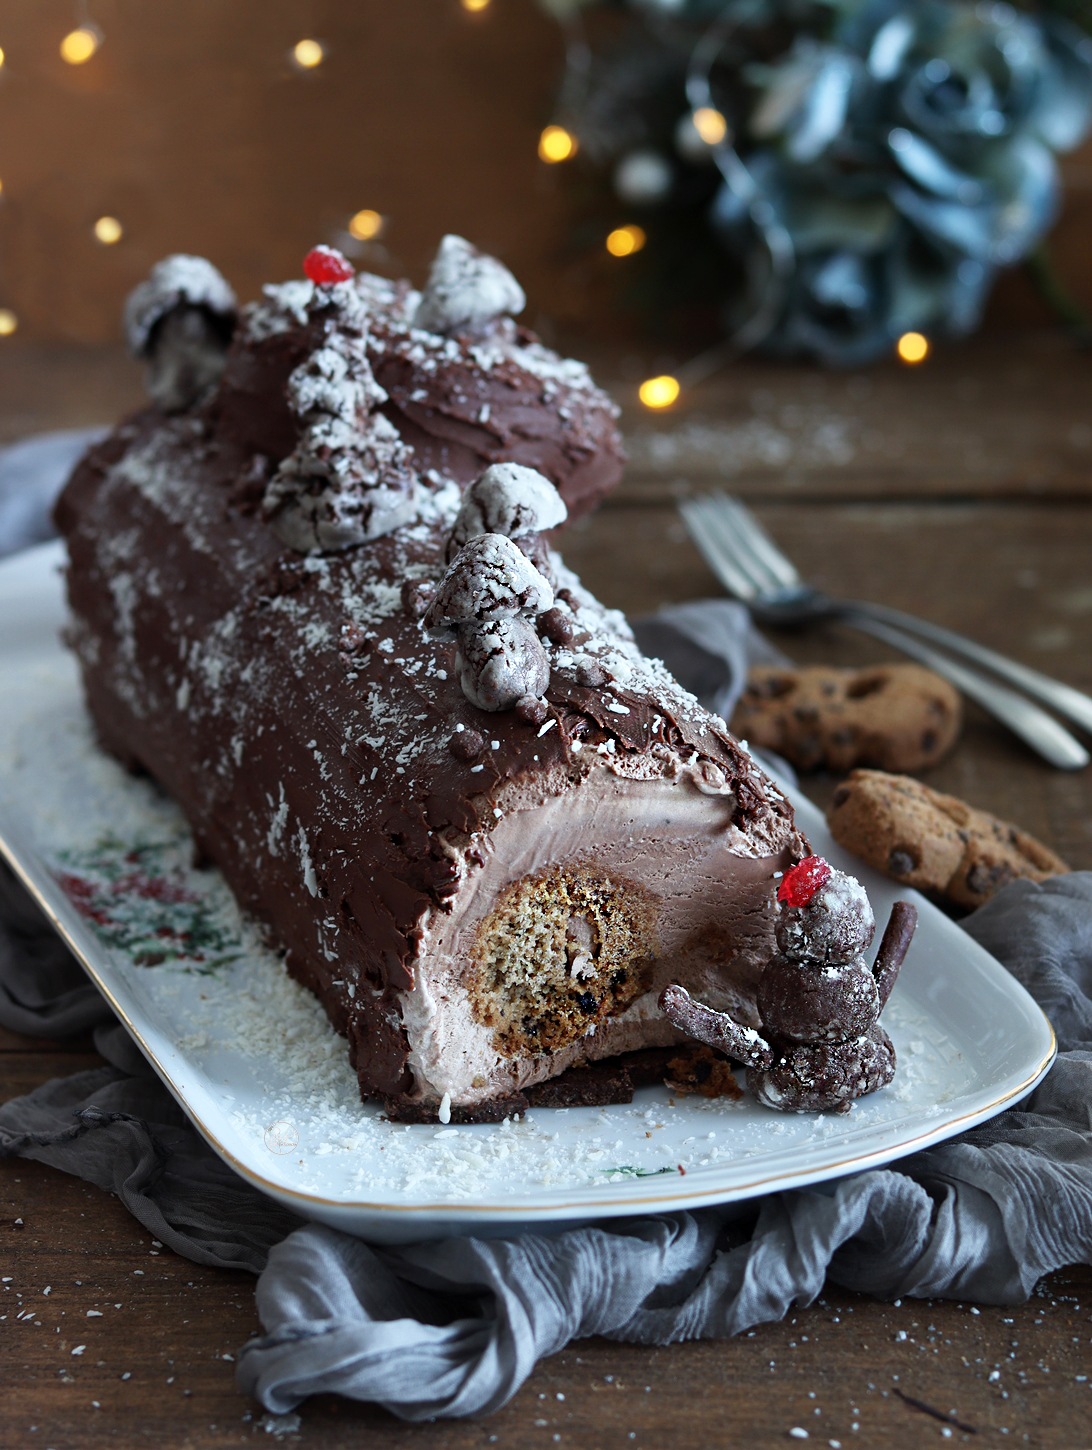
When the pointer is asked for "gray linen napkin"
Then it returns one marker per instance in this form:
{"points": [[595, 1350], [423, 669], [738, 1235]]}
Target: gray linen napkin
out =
{"points": [[708, 644], [32, 474], [454, 1327]]}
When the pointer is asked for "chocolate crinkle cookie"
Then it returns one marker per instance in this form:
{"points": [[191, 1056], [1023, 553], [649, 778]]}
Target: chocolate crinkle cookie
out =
{"points": [[895, 717], [702, 1071], [935, 842], [835, 925]]}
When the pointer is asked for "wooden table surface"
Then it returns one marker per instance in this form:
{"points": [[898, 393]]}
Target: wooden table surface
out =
{"points": [[961, 491]]}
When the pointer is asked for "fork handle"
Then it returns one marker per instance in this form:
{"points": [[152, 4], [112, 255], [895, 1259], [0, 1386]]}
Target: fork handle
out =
{"points": [[1024, 718], [1070, 703]]}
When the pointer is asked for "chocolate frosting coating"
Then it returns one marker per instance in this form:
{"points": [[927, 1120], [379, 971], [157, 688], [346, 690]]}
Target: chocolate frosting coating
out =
{"points": [[461, 402]]}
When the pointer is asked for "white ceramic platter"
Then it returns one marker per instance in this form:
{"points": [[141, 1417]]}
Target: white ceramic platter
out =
{"points": [[253, 1061]]}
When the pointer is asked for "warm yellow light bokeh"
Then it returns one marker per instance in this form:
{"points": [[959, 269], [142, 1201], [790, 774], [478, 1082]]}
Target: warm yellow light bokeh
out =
{"points": [[912, 347], [308, 53], [8, 322], [1, 55], [710, 125], [624, 241], [79, 45], [474, 5], [659, 392], [108, 230], [365, 225], [557, 144]]}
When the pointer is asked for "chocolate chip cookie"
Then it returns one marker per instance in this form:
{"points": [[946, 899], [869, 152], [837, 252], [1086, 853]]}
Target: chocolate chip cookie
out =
{"points": [[934, 842], [895, 717]]}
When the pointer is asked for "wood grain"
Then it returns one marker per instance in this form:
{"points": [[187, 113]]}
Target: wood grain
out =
{"points": [[1013, 571], [169, 1326], [1001, 416], [193, 128], [43, 387], [1008, 418]]}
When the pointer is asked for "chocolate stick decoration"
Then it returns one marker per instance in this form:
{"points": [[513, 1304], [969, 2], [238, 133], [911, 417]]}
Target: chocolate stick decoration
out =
{"points": [[893, 948]]}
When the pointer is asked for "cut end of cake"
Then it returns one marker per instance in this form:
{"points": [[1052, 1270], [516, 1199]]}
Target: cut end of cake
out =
{"points": [[595, 888]]}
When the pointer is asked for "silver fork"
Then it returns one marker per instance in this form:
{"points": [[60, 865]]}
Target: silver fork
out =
{"points": [[749, 565]]}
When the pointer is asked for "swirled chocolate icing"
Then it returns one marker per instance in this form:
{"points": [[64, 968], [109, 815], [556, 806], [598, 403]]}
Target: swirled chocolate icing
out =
{"points": [[460, 402]]}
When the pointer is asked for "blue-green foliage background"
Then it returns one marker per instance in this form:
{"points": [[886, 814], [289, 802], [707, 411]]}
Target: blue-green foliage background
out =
{"points": [[907, 149]]}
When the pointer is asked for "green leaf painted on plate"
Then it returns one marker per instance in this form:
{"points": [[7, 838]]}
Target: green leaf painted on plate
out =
{"points": [[137, 901], [628, 1171]]}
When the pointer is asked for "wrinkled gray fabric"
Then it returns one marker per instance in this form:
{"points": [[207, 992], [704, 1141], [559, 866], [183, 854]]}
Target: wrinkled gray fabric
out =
{"points": [[454, 1327], [44, 992], [1043, 934], [32, 474], [128, 1135], [709, 645]]}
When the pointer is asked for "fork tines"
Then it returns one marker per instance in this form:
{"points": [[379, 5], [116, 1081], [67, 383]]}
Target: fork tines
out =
{"points": [[736, 547]]}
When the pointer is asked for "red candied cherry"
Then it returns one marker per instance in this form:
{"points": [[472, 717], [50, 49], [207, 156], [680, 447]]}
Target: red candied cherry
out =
{"points": [[326, 265], [800, 884]]}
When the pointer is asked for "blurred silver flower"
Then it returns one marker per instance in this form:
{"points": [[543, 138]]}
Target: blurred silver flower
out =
{"points": [[909, 155]]}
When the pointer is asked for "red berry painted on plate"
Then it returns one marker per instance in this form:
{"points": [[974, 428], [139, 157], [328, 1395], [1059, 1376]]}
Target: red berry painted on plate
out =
{"points": [[799, 885], [326, 265]]}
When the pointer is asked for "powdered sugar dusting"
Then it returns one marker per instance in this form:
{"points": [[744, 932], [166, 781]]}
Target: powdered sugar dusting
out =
{"points": [[466, 289], [350, 477], [173, 281], [507, 499], [285, 306]]}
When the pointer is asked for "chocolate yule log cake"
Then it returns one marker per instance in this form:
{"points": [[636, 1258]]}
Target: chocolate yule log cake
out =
{"points": [[312, 595]]}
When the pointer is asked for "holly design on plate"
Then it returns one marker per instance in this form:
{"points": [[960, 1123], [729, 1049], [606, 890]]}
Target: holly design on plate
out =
{"points": [[139, 901], [626, 1170]]}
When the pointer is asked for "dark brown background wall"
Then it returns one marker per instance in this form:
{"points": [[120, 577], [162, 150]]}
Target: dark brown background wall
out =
{"points": [[193, 129]]}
